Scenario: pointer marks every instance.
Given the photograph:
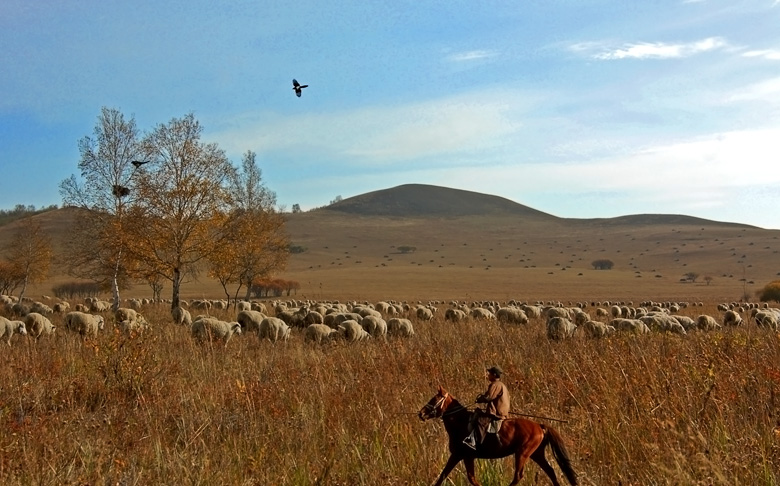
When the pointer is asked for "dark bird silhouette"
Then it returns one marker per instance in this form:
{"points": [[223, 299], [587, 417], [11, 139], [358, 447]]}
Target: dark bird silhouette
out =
{"points": [[297, 87], [120, 191], [139, 163]]}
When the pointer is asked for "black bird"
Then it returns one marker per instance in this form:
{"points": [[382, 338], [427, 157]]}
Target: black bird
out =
{"points": [[297, 87], [139, 163], [120, 191]]}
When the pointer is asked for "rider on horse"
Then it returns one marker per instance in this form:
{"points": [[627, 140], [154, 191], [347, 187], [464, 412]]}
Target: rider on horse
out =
{"points": [[497, 409]]}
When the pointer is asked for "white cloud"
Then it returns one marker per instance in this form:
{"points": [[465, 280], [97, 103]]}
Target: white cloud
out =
{"points": [[767, 91], [771, 54], [661, 50], [381, 134], [474, 55]]}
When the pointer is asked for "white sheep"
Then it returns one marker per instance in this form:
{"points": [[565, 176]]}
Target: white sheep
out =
{"points": [[455, 315], [707, 323], [400, 327], [84, 324], [61, 307], [41, 308], [138, 324], [424, 314], [732, 318], [8, 328], [512, 315], [767, 318], [596, 329], [212, 329], [250, 320], [634, 326], [351, 331], [125, 314], [273, 329], [318, 333], [375, 326], [243, 305], [99, 306], [482, 313], [532, 311], [181, 316], [559, 328], [38, 325]]}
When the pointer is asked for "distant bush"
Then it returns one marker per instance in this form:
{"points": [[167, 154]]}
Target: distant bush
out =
{"points": [[69, 290], [297, 249], [407, 249], [770, 292], [603, 264]]}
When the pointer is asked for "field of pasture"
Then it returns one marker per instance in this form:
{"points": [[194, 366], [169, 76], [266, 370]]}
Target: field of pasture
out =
{"points": [[160, 408]]}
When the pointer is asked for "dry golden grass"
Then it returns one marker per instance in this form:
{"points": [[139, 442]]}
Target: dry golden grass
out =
{"points": [[659, 409], [158, 408]]}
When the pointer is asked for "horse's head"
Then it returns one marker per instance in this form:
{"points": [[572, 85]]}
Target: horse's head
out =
{"points": [[436, 405]]}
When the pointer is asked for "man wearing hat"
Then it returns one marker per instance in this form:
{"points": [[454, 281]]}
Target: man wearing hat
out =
{"points": [[497, 409]]}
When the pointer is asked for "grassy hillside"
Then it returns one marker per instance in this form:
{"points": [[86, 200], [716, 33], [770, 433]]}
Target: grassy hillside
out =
{"points": [[505, 251]]}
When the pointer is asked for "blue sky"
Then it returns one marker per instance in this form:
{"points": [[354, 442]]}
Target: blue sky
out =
{"points": [[582, 109]]}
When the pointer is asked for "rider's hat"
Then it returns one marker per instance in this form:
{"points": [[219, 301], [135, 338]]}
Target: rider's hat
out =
{"points": [[496, 371]]}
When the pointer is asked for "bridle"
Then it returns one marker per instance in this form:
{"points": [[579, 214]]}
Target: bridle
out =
{"points": [[437, 409]]}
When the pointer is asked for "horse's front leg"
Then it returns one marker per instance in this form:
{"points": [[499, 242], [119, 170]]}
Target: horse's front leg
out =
{"points": [[469, 463], [451, 463]]}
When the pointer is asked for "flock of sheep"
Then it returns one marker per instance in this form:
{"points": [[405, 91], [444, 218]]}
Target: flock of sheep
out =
{"points": [[322, 322]]}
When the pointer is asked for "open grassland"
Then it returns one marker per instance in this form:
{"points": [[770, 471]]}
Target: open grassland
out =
{"points": [[158, 408]]}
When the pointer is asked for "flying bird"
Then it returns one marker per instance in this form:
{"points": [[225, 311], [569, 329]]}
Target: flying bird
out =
{"points": [[139, 163], [297, 87]]}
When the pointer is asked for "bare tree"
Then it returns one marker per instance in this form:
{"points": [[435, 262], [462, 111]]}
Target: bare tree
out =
{"points": [[30, 252], [181, 202], [256, 244], [105, 189]]}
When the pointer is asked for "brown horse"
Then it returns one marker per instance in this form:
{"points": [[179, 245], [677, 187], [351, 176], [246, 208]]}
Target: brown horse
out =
{"points": [[517, 436]]}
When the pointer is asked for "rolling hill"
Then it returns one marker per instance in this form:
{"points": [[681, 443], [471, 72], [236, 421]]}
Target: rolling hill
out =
{"points": [[467, 245]]}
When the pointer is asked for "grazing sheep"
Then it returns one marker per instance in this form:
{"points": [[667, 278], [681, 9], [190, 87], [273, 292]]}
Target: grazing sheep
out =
{"points": [[351, 331], [8, 328], [99, 306], [767, 318], [707, 323], [732, 318], [424, 314], [318, 333], [259, 307], [663, 322], [634, 326], [616, 312], [400, 327], [211, 329], [84, 324], [559, 328], [273, 329], [61, 307], [19, 309], [313, 317], [243, 305], [511, 315], [250, 320], [455, 315], [596, 329], [375, 326], [125, 314], [181, 316], [38, 325], [482, 313], [41, 308], [138, 324], [557, 312], [687, 322], [532, 311]]}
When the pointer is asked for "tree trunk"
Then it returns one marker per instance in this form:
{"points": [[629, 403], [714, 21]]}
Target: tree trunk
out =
{"points": [[176, 285]]}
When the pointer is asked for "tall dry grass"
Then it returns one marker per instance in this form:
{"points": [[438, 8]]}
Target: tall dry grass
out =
{"points": [[158, 408]]}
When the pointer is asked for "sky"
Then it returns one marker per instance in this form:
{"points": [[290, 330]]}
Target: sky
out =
{"points": [[578, 108]]}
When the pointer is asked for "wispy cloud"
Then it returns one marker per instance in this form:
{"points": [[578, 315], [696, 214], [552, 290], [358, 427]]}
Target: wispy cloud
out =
{"points": [[381, 135], [652, 50], [474, 55], [767, 91], [771, 54]]}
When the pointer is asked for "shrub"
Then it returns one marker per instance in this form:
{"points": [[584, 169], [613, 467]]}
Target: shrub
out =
{"points": [[603, 264], [770, 292]]}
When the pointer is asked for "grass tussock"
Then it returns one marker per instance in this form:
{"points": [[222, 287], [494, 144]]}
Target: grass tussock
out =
{"points": [[158, 408]]}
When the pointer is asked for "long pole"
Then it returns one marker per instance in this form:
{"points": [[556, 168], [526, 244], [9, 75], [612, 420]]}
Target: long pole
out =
{"points": [[539, 417]]}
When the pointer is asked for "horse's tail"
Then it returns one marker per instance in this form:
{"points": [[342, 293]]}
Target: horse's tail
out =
{"points": [[561, 454]]}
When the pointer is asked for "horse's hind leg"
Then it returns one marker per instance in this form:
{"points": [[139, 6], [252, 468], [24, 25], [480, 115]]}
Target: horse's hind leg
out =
{"points": [[538, 457], [469, 463], [451, 463]]}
